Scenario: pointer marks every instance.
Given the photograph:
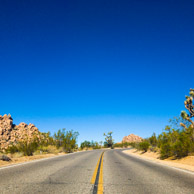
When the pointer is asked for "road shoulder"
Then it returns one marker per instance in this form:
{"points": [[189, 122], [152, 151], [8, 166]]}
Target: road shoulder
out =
{"points": [[186, 163], [25, 159]]}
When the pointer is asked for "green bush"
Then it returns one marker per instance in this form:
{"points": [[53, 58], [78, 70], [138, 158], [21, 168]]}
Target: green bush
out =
{"points": [[66, 139], [62, 140], [165, 150], [183, 145], [153, 140], [144, 146], [12, 149], [134, 144], [87, 144], [177, 141], [118, 145], [125, 144], [28, 147]]}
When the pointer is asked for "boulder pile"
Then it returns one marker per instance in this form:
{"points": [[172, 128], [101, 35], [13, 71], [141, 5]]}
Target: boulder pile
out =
{"points": [[11, 134], [132, 138]]}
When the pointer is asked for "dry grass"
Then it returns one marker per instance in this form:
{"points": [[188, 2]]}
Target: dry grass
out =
{"points": [[18, 157], [22, 159], [48, 150]]}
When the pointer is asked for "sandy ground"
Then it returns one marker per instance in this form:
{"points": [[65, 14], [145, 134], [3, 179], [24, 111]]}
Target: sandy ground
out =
{"points": [[15, 160], [186, 163]]}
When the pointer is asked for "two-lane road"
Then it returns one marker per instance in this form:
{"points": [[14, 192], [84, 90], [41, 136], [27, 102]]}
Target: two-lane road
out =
{"points": [[73, 173]]}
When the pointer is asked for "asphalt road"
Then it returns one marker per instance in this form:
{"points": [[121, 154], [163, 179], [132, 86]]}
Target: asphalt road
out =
{"points": [[72, 173], [128, 174]]}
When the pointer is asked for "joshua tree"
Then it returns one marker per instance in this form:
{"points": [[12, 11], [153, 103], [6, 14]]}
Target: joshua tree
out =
{"points": [[108, 139], [190, 107]]}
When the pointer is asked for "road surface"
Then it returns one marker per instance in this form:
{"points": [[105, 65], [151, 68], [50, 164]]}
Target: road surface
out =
{"points": [[110, 172]]}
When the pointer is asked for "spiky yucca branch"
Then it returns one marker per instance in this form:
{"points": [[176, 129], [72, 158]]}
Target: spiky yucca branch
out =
{"points": [[189, 106], [189, 103]]}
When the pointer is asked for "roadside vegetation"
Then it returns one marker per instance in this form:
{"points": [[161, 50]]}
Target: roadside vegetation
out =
{"points": [[109, 142], [62, 141], [90, 145], [177, 139]]}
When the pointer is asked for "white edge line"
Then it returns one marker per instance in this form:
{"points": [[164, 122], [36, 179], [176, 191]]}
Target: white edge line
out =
{"points": [[37, 160], [158, 162]]}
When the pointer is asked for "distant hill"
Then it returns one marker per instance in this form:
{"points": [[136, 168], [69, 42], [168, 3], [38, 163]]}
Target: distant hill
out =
{"points": [[132, 138]]}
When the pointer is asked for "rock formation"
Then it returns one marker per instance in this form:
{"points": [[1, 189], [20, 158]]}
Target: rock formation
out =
{"points": [[132, 138], [11, 134]]}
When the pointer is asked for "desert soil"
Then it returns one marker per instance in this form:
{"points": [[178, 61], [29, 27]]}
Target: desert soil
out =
{"points": [[15, 160], [186, 163]]}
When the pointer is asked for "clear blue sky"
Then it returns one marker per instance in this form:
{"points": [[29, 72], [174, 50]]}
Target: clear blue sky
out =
{"points": [[96, 66]]}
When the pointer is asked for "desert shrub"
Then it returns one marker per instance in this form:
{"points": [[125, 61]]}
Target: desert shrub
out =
{"points": [[144, 146], [165, 150], [183, 145], [176, 141], [66, 139], [134, 145], [25, 147], [165, 145], [153, 149], [126, 144], [63, 140], [153, 140], [95, 145], [118, 145], [87, 144], [28, 147], [12, 149]]}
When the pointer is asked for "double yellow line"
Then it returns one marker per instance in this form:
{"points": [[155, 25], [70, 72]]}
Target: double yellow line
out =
{"points": [[98, 169]]}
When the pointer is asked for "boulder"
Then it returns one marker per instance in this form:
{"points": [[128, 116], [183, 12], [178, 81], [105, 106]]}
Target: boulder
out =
{"points": [[11, 134], [132, 138], [5, 158]]}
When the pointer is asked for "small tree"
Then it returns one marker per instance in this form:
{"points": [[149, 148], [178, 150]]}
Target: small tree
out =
{"points": [[108, 140], [59, 137]]}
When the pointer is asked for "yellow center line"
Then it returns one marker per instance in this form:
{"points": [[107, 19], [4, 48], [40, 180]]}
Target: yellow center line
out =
{"points": [[100, 181], [95, 172]]}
